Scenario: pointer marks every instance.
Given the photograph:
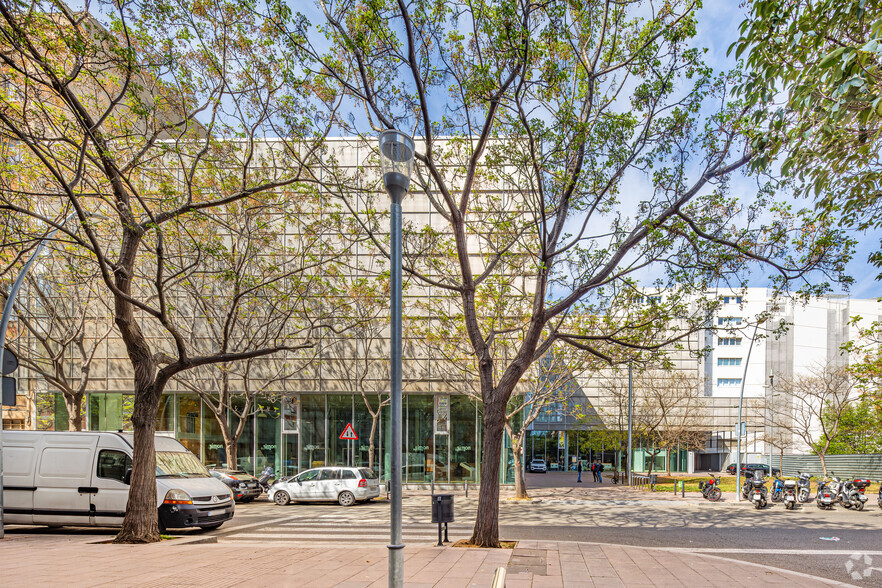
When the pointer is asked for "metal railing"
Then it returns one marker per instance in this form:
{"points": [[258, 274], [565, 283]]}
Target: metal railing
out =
{"points": [[640, 482]]}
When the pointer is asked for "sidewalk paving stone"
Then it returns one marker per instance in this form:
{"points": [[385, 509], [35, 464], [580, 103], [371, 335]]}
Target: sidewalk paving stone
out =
{"points": [[71, 561]]}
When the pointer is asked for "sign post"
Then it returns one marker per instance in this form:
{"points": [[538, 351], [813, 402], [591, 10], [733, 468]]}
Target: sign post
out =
{"points": [[349, 433]]}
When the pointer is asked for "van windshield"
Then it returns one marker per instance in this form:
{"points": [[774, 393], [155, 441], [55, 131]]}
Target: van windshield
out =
{"points": [[181, 464]]}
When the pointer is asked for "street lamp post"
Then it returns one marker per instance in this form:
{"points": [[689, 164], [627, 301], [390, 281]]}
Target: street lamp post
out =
{"points": [[740, 407], [630, 419], [396, 162]]}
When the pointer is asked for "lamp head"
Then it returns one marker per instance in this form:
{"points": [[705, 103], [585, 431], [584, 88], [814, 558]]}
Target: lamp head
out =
{"points": [[396, 161]]}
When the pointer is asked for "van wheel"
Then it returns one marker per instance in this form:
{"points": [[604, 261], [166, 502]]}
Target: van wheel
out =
{"points": [[281, 498], [346, 498]]}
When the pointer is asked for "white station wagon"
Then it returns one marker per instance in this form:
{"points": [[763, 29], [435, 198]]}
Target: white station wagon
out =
{"points": [[346, 486]]}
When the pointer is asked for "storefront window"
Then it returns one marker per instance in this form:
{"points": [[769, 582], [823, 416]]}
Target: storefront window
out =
{"points": [[165, 416], [463, 439], [245, 443], [312, 431], [215, 453], [269, 432], [419, 458], [105, 412], [190, 423], [61, 415], [362, 424], [339, 416]]}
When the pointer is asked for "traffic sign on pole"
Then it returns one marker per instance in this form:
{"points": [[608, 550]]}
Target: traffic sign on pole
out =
{"points": [[10, 362], [349, 433]]}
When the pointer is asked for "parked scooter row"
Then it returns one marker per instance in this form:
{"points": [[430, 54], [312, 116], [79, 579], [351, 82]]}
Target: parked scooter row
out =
{"points": [[831, 491], [848, 493]]}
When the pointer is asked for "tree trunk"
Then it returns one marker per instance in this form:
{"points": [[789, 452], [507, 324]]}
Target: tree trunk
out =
{"points": [[823, 463], [652, 462], [231, 446], [141, 523], [375, 417], [520, 478], [668, 462], [74, 404], [486, 531]]}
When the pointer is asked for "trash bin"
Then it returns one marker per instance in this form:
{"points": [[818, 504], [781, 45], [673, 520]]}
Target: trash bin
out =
{"points": [[442, 508]]}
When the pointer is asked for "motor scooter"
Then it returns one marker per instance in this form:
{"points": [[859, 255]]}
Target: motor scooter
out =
{"points": [[711, 489], [789, 494], [855, 492], [265, 480], [827, 494], [777, 489], [803, 487], [758, 493]]}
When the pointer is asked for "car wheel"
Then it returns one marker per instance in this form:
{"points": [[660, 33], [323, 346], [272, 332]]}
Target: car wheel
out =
{"points": [[281, 498], [346, 498]]}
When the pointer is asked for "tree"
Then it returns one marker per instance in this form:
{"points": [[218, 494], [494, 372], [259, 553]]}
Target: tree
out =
{"points": [[138, 122], [549, 385], [356, 356], [548, 111], [67, 321], [820, 400], [813, 82], [668, 412], [859, 428]]}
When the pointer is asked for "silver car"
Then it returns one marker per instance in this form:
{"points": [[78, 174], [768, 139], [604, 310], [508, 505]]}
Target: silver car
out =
{"points": [[346, 486]]}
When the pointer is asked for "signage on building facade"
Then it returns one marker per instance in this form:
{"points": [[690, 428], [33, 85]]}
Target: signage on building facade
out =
{"points": [[10, 362], [349, 433], [290, 422], [442, 414]]}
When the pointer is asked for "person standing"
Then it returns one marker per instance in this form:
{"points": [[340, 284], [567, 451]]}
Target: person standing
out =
{"points": [[579, 469], [599, 472], [594, 470]]}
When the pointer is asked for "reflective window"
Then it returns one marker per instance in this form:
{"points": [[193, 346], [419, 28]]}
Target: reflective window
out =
{"points": [[312, 431], [308, 475], [113, 465], [348, 475], [420, 458], [329, 474], [463, 439]]}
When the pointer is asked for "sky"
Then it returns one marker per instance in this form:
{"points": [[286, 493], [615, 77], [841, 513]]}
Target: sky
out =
{"points": [[717, 30]]}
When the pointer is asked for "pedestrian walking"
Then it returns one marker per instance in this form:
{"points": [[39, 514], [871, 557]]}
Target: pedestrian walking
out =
{"points": [[599, 472], [579, 469], [594, 471]]}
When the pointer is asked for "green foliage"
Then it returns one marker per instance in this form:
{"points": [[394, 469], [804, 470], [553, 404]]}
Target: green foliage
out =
{"points": [[860, 429], [814, 84]]}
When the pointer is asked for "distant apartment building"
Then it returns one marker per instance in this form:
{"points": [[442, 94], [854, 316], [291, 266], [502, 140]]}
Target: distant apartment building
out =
{"points": [[796, 339]]}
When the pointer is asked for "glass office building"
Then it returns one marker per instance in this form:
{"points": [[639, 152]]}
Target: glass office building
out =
{"points": [[442, 432]]}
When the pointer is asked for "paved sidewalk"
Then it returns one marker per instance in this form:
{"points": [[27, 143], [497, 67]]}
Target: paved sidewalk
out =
{"points": [[75, 560]]}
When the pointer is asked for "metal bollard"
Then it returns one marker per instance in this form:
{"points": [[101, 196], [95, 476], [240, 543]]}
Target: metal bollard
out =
{"points": [[498, 578], [467, 488], [433, 485], [683, 489]]}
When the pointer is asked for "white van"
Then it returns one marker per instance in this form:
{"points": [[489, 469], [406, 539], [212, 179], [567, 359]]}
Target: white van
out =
{"points": [[82, 479]]}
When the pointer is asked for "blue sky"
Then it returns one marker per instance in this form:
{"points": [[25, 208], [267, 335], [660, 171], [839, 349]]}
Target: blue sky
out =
{"points": [[717, 30]]}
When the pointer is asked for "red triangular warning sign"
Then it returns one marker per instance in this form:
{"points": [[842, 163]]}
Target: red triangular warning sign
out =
{"points": [[349, 433]]}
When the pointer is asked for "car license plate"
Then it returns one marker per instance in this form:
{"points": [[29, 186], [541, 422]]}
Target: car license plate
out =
{"points": [[214, 513]]}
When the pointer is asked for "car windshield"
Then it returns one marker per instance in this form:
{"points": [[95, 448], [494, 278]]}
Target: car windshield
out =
{"points": [[181, 464]]}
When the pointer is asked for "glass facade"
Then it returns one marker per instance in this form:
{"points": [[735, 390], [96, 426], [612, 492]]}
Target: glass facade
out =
{"points": [[441, 435]]}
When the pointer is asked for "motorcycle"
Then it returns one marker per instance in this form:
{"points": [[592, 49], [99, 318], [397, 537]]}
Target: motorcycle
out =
{"points": [[711, 489], [265, 480], [853, 492], [777, 489], [828, 493], [789, 494], [745, 489], [803, 487], [758, 493]]}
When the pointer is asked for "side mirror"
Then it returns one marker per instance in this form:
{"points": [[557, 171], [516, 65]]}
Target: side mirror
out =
{"points": [[127, 477]]}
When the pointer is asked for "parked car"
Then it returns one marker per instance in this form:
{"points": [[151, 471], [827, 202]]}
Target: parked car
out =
{"points": [[244, 486], [344, 485], [747, 469], [538, 465]]}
